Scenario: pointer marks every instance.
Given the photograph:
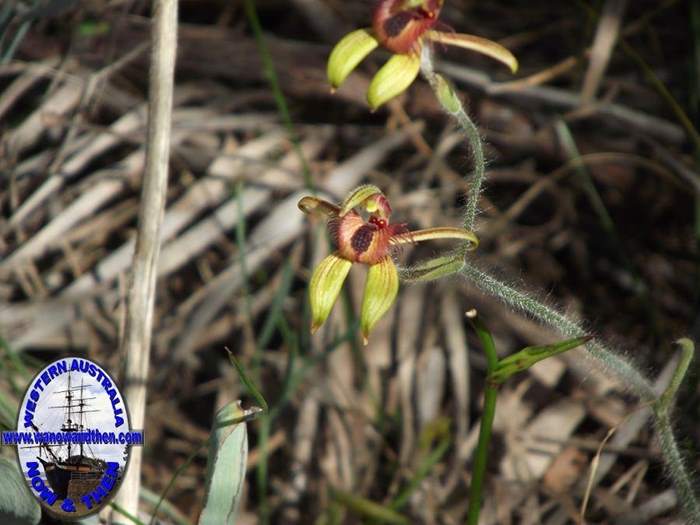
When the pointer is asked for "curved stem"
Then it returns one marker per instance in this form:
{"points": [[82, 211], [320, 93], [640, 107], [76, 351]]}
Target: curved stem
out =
{"points": [[453, 107], [518, 300], [667, 441], [669, 396], [618, 366], [676, 467]]}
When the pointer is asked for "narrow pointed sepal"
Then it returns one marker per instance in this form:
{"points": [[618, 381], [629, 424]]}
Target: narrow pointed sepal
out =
{"points": [[348, 53], [442, 232], [475, 43], [326, 283], [393, 79], [380, 293]]}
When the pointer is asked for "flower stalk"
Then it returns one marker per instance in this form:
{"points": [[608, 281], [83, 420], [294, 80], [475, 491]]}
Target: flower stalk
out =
{"points": [[450, 102]]}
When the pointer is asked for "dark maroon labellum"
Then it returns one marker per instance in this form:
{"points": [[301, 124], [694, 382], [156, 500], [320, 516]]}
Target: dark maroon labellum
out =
{"points": [[397, 23], [362, 238], [398, 27]]}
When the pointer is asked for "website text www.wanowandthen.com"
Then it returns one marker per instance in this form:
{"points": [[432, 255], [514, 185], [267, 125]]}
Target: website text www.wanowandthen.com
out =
{"points": [[82, 437]]}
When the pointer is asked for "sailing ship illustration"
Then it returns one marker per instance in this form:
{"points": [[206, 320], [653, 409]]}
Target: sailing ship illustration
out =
{"points": [[72, 470]]}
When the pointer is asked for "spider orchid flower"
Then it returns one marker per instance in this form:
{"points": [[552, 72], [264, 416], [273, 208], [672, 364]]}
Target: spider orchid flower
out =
{"points": [[402, 27], [362, 233]]}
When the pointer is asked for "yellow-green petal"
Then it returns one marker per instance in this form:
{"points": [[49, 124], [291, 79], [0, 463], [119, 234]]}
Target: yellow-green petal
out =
{"points": [[326, 283], [358, 196], [348, 53], [380, 293], [393, 79]]}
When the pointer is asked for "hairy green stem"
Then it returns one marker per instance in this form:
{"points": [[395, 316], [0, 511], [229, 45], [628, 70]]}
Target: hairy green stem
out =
{"points": [[667, 441], [619, 367], [452, 105], [520, 301], [482, 448], [669, 396], [676, 467], [613, 363]]}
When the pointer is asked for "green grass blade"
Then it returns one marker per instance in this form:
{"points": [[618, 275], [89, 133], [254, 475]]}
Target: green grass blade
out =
{"points": [[248, 382], [424, 469], [271, 75], [121, 510], [161, 500], [275, 312], [368, 509]]}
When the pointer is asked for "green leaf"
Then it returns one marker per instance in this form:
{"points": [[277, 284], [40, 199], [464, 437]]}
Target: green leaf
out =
{"points": [[226, 468], [17, 505], [527, 357]]}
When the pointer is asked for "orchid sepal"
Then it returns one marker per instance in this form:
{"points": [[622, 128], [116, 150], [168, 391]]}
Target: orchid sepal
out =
{"points": [[475, 43], [352, 49], [443, 232], [393, 79], [381, 289], [324, 288]]}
